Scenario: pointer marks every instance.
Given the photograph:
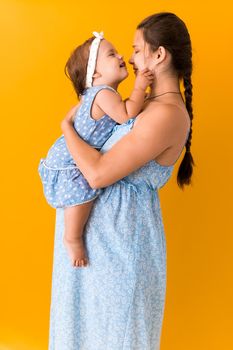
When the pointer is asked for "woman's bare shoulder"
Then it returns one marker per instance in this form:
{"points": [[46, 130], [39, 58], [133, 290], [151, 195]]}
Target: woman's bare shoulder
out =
{"points": [[155, 114]]}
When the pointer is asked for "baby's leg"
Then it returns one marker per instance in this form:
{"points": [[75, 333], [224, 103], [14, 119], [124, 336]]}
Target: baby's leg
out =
{"points": [[75, 220]]}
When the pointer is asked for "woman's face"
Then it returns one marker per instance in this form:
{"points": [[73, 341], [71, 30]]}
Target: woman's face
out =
{"points": [[141, 57]]}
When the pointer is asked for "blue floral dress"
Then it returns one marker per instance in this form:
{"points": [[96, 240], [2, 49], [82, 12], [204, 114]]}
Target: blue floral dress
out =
{"points": [[63, 183], [117, 302]]}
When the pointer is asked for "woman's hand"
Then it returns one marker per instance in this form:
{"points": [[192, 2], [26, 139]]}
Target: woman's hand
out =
{"points": [[69, 118]]}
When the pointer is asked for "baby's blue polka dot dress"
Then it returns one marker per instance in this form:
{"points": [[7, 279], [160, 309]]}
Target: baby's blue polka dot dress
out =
{"points": [[63, 183]]}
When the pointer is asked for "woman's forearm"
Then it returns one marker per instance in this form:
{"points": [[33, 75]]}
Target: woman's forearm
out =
{"points": [[88, 157]]}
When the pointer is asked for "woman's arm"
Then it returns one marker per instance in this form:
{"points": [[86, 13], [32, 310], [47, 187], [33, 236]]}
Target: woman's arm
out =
{"points": [[152, 135]]}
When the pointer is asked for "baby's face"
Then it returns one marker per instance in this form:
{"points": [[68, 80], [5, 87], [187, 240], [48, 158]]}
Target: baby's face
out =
{"points": [[110, 65], [141, 57]]}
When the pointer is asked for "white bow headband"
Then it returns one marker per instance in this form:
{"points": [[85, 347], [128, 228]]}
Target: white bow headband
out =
{"points": [[92, 57]]}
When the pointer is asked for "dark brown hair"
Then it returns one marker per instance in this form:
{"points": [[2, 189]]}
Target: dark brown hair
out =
{"points": [[76, 66], [167, 30]]}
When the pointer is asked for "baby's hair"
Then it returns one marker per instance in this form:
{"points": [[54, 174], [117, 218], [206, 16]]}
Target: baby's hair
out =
{"points": [[76, 66], [168, 30]]}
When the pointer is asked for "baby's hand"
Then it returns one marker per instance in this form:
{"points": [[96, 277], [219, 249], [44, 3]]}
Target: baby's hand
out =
{"points": [[144, 78]]}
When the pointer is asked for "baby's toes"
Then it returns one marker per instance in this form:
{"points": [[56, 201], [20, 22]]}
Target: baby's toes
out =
{"points": [[73, 263], [79, 262], [83, 262], [76, 263]]}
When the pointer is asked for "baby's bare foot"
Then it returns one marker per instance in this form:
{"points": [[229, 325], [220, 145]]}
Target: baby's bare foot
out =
{"points": [[76, 251]]}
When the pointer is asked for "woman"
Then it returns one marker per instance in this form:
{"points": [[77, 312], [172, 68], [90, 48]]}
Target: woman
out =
{"points": [[117, 301]]}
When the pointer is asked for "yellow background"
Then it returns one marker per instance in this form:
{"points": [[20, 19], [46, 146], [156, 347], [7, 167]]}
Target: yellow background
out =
{"points": [[36, 40]]}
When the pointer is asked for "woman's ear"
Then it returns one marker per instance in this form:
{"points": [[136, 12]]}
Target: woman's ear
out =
{"points": [[160, 54]]}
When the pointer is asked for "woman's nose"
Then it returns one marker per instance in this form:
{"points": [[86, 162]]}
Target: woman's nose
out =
{"points": [[120, 56], [131, 60]]}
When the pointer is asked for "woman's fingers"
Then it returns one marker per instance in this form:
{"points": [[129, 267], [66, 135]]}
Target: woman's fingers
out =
{"points": [[70, 115]]}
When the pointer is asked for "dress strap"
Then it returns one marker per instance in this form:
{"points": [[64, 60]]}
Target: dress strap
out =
{"points": [[91, 94]]}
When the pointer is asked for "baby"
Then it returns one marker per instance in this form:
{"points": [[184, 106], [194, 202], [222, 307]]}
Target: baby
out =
{"points": [[94, 67]]}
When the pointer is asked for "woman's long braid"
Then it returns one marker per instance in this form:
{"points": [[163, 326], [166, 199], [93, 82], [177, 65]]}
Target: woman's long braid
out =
{"points": [[186, 166], [188, 101]]}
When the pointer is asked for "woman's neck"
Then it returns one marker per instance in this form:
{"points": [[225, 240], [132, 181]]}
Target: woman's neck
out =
{"points": [[164, 83]]}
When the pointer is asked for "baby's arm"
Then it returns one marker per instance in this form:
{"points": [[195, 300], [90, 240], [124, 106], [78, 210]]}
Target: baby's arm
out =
{"points": [[111, 103]]}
